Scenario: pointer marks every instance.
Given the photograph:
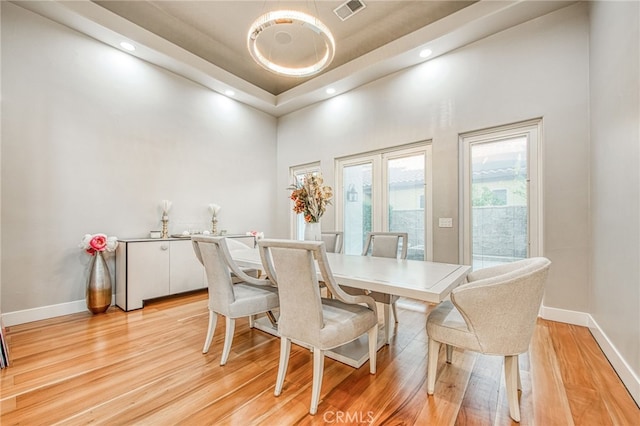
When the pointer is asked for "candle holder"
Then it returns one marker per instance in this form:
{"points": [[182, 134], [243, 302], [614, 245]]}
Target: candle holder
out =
{"points": [[214, 225], [165, 226], [166, 205], [214, 209]]}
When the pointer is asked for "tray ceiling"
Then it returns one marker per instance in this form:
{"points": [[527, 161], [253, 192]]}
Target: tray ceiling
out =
{"points": [[216, 31], [206, 40]]}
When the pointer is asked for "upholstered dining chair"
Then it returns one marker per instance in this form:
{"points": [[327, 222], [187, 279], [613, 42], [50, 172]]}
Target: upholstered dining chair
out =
{"points": [[233, 244], [333, 241], [494, 313], [387, 244], [248, 297], [305, 317], [384, 244]]}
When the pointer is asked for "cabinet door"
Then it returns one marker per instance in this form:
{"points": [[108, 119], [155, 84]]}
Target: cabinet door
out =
{"points": [[186, 271], [148, 271]]}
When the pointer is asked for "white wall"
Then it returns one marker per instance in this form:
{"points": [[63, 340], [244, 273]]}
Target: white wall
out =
{"points": [[615, 176], [538, 69], [93, 139]]}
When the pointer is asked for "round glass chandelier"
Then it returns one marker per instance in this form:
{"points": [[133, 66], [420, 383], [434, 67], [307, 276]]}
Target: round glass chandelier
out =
{"points": [[286, 18]]}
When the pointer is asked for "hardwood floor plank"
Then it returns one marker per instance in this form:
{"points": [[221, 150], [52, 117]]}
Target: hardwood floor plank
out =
{"points": [[451, 385], [479, 406], [59, 399], [202, 388], [146, 368], [401, 376], [621, 408], [548, 388], [584, 399]]}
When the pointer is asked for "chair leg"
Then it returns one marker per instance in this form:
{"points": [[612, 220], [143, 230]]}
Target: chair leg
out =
{"points": [[318, 369], [285, 349], [395, 311], [432, 365], [228, 339], [511, 380], [373, 348], [272, 319], [387, 324], [213, 320], [519, 382]]}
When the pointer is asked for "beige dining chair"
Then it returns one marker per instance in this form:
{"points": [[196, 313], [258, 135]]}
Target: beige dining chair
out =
{"points": [[305, 317], [387, 244], [494, 313], [333, 241], [233, 244], [248, 297], [391, 245]]}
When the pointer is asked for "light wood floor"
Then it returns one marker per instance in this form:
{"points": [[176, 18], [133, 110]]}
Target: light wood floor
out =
{"points": [[146, 367]]}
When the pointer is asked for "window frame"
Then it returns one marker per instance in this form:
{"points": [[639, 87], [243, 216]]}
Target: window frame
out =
{"points": [[379, 159], [532, 129]]}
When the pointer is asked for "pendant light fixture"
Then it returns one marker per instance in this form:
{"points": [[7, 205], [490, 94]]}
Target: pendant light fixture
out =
{"points": [[281, 27]]}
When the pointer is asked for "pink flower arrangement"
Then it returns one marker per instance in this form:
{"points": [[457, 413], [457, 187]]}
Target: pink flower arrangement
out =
{"points": [[98, 242], [256, 234]]}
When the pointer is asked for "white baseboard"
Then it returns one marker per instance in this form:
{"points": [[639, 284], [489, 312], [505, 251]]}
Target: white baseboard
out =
{"points": [[620, 365], [45, 312], [562, 315], [627, 375]]}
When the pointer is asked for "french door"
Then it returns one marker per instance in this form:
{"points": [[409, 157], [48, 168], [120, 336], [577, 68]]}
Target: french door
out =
{"points": [[501, 195], [386, 191]]}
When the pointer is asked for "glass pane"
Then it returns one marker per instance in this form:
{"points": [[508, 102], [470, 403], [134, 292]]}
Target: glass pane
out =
{"points": [[499, 211], [356, 187], [406, 195]]}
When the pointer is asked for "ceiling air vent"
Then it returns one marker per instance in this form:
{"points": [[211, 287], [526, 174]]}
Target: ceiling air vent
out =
{"points": [[348, 9]]}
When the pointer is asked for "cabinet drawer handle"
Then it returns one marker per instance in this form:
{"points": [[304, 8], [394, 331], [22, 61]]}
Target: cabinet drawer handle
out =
{"points": [[164, 246]]}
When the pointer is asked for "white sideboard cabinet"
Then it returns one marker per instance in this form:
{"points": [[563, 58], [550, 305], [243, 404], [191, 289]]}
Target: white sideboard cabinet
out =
{"points": [[151, 268]]}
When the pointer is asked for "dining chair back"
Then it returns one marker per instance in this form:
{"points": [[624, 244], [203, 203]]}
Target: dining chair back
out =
{"points": [[386, 244], [236, 244], [248, 297], [494, 313], [306, 317], [333, 241]]}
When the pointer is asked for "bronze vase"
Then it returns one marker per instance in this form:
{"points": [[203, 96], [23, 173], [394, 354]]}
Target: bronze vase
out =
{"points": [[98, 285]]}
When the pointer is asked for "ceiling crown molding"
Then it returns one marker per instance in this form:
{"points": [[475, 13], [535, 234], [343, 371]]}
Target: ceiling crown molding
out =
{"points": [[470, 24]]}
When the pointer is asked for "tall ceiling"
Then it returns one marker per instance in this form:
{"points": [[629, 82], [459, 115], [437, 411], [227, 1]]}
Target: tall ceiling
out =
{"points": [[206, 40], [217, 30]]}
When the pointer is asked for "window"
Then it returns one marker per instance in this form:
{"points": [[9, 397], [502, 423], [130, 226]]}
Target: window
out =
{"points": [[501, 212], [386, 191]]}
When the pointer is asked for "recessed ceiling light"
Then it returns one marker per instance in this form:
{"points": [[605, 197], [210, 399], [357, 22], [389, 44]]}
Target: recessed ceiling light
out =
{"points": [[127, 46], [425, 53], [229, 92], [330, 91]]}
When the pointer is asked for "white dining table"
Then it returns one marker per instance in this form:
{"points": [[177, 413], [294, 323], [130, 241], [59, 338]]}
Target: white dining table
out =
{"points": [[415, 279]]}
